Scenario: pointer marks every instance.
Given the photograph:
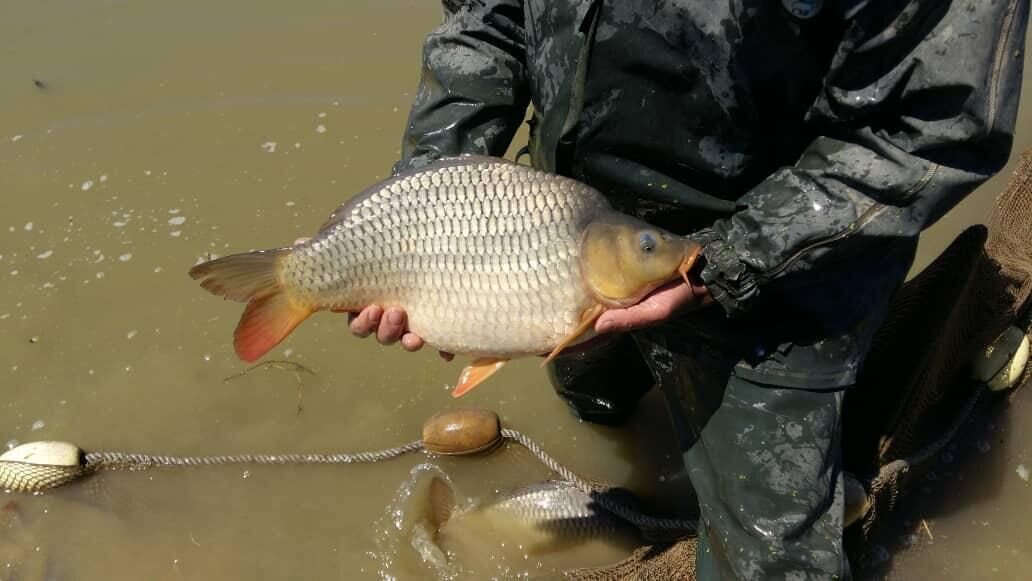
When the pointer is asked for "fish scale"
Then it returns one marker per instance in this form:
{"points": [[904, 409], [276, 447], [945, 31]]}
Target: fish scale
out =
{"points": [[483, 256]]}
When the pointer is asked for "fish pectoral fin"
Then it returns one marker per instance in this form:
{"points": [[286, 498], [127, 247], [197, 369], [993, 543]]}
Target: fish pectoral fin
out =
{"points": [[475, 373], [588, 318]]}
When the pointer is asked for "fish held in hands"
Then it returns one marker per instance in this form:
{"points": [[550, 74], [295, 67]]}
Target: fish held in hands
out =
{"points": [[488, 258]]}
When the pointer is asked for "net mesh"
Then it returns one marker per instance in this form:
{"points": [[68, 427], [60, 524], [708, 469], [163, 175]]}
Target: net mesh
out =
{"points": [[918, 369]]}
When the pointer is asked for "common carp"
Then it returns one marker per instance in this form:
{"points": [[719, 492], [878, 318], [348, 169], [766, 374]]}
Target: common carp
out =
{"points": [[489, 258], [542, 516]]}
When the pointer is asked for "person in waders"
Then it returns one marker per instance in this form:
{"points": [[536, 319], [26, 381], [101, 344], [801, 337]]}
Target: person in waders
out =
{"points": [[804, 143]]}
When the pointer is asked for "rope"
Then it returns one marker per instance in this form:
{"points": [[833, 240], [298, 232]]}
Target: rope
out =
{"points": [[122, 460], [27, 477], [895, 469]]}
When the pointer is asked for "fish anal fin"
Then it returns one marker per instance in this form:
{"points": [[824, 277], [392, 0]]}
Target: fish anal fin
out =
{"points": [[587, 322], [265, 323], [442, 503], [475, 373]]}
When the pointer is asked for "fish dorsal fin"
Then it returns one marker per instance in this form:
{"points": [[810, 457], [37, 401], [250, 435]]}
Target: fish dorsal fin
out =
{"points": [[344, 210], [587, 322], [442, 502]]}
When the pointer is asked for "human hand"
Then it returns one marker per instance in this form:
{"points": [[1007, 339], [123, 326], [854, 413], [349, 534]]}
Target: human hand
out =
{"points": [[390, 327], [665, 302]]}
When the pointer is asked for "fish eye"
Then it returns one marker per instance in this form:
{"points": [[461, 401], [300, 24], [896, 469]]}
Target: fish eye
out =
{"points": [[647, 242]]}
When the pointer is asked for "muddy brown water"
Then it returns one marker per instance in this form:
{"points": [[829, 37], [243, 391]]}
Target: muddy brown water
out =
{"points": [[161, 133]]}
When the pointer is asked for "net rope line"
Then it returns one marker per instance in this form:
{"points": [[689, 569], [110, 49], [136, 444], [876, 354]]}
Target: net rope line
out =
{"points": [[98, 461], [894, 468], [123, 460]]}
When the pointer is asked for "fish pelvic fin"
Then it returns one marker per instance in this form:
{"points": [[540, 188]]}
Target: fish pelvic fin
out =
{"points": [[442, 503], [253, 278], [587, 322], [475, 373]]}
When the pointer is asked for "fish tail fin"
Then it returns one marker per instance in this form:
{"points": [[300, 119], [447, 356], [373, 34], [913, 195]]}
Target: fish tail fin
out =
{"points": [[442, 502], [253, 277]]}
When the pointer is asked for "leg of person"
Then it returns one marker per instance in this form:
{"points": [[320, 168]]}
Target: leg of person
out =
{"points": [[767, 472], [602, 384]]}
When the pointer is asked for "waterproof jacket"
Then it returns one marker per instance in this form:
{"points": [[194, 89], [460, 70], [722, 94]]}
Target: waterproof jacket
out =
{"points": [[800, 140]]}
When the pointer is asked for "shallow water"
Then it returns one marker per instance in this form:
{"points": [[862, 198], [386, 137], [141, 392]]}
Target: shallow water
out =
{"points": [[162, 133]]}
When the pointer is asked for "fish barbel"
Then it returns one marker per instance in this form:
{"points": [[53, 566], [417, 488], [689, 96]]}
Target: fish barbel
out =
{"points": [[487, 257]]}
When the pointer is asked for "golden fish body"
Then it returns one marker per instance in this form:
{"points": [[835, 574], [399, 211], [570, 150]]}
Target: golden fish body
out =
{"points": [[487, 257], [482, 255]]}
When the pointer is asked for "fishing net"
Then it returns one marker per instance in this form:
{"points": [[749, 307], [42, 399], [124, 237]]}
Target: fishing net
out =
{"points": [[915, 389], [921, 357]]}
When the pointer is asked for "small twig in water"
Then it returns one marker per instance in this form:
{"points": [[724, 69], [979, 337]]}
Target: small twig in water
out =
{"points": [[927, 529], [295, 368]]}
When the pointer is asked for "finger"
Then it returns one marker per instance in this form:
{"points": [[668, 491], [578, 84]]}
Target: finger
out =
{"points": [[367, 321], [630, 318], [392, 326], [655, 308], [411, 342], [445, 355]]}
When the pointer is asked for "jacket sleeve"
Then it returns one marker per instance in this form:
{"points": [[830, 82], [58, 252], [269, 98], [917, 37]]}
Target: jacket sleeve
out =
{"points": [[473, 92], [917, 109]]}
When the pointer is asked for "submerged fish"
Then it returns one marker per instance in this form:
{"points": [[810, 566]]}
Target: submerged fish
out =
{"points": [[542, 516], [488, 258]]}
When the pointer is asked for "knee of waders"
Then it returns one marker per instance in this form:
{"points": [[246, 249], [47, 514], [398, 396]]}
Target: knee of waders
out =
{"points": [[603, 384]]}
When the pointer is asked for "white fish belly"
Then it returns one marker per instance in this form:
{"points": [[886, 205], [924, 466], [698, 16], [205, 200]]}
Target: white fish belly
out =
{"points": [[481, 253]]}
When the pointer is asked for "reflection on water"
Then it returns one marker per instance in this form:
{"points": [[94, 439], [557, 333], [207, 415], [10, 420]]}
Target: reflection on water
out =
{"points": [[162, 133]]}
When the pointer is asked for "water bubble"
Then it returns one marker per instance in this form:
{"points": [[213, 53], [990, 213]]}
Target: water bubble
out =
{"points": [[28, 226], [103, 178], [130, 334], [319, 129], [177, 220], [175, 233], [1023, 472], [269, 146], [38, 425], [126, 257], [45, 255], [16, 138], [86, 185]]}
